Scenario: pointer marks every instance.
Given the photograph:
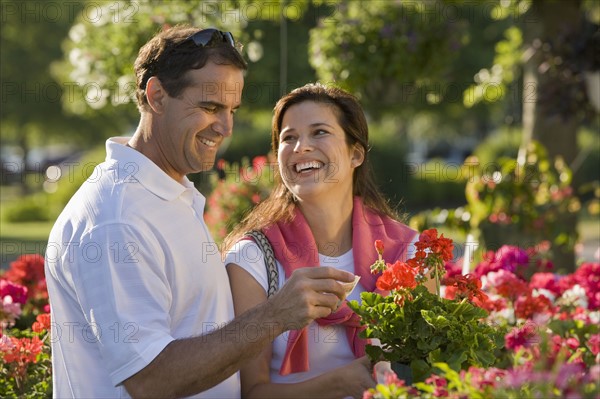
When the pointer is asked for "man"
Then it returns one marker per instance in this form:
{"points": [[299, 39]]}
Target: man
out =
{"points": [[140, 299]]}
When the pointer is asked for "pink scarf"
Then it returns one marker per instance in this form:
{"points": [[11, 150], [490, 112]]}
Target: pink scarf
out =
{"points": [[295, 247]]}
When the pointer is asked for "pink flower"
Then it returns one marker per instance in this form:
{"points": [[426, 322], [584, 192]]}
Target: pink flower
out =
{"points": [[17, 292], [28, 270], [594, 344], [521, 337], [547, 281], [392, 378], [259, 162], [507, 284], [440, 385], [453, 269]]}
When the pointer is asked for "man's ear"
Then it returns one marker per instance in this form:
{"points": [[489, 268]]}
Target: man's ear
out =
{"points": [[358, 155], [156, 94]]}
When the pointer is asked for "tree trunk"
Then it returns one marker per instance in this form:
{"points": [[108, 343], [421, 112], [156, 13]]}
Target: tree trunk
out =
{"points": [[542, 95]]}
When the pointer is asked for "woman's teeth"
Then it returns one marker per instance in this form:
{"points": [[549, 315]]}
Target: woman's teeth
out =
{"points": [[308, 165]]}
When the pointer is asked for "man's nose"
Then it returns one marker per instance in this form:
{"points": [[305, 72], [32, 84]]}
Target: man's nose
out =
{"points": [[224, 125]]}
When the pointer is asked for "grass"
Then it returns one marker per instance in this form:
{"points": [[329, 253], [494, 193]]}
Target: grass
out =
{"points": [[25, 231]]}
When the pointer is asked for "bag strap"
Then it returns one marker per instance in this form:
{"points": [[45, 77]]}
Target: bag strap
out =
{"points": [[272, 273]]}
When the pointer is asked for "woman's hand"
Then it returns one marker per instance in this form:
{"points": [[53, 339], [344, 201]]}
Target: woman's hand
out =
{"points": [[355, 378]]}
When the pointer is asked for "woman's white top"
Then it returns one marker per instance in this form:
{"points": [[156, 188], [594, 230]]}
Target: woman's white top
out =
{"points": [[328, 347]]}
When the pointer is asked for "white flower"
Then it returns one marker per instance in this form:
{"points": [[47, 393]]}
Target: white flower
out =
{"points": [[574, 296], [542, 291]]}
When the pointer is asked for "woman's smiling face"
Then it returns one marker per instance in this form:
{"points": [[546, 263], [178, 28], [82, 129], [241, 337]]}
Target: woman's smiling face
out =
{"points": [[315, 159]]}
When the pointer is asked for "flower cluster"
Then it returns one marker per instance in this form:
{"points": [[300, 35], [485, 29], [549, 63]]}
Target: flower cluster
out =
{"points": [[13, 297], [24, 344], [236, 190], [552, 340], [432, 253], [417, 327], [28, 271]]}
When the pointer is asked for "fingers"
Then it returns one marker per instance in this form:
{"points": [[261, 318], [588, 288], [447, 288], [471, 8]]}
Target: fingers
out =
{"points": [[309, 294], [325, 280], [324, 272]]}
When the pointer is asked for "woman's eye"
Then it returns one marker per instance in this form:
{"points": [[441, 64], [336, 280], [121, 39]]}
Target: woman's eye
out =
{"points": [[287, 138], [321, 132]]}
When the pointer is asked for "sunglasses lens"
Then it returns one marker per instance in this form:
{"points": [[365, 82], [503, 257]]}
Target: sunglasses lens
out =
{"points": [[229, 37], [204, 37]]}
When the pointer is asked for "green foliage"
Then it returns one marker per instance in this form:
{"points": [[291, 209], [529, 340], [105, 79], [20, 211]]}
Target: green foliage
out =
{"points": [[503, 143], [491, 85], [407, 48], [100, 52], [30, 103], [426, 330], [31, 209], [531, 197]]}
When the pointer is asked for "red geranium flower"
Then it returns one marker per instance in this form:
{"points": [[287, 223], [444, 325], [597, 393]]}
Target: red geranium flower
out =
{"points": [[468, 286], [397, 276], [527, 306], [42, 323]]}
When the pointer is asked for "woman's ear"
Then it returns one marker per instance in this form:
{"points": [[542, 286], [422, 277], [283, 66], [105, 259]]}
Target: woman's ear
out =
{"points": [[155, 94], [358, 155]]}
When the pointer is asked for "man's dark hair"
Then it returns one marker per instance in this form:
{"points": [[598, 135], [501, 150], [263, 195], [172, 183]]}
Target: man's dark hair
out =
{"points": [[168, 57]]}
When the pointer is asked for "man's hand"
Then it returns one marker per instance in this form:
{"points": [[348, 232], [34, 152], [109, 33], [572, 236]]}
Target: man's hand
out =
{"points": [[310, 293]]}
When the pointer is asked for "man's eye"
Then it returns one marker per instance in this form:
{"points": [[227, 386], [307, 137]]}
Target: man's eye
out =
{"points": [[210, 110]]}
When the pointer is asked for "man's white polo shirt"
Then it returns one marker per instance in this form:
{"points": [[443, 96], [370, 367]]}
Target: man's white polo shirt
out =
{"points": [[130, 267]]}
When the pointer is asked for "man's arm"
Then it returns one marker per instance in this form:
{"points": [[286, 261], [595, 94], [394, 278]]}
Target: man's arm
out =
{"points": [[192, 365]]}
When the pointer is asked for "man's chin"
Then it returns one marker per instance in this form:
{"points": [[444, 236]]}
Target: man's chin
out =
{"points": [[204, 167]]}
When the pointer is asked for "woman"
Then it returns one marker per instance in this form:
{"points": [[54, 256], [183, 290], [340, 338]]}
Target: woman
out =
{"points": [[325, 210]]}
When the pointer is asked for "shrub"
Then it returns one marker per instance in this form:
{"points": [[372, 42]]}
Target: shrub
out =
{"points": [[33, 208], [237, 189]]}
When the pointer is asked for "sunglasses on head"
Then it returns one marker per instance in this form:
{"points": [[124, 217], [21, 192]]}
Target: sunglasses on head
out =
{"points": [[208, 37]]}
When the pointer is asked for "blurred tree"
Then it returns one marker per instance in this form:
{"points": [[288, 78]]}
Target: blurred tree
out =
{"points": [[99, 52], [30, 110]]}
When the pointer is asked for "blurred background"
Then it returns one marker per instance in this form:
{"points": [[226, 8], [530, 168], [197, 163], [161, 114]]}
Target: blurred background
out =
{"points": [[484, 115]]}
